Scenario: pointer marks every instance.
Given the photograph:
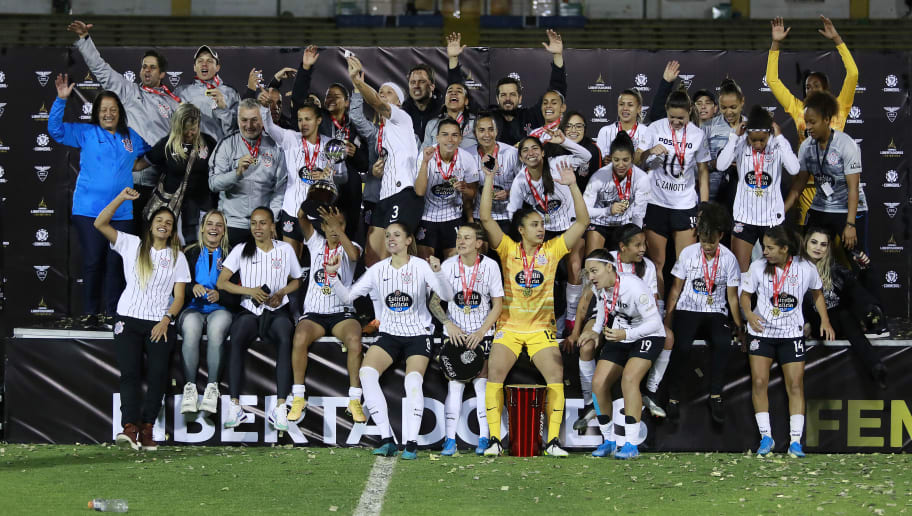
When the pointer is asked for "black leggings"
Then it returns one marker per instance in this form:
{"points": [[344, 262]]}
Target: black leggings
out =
{"points": [[272, 326], [846, 327], [131, 339], [686, 327]]}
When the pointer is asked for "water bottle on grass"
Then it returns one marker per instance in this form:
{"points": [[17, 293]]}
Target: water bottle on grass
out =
{"points": [[102, 505]]}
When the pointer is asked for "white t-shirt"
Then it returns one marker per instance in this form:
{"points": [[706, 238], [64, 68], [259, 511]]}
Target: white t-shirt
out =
{"points": [[635, 310], [507, 165], [150, 303], [601, 192], [403, 292], [649, 274], [397, 137], [673, 185], [271, 269], [488, 284], [768, 208], [802, 276], [442, 202], [316, 301], [642, 136], [689, 268]]}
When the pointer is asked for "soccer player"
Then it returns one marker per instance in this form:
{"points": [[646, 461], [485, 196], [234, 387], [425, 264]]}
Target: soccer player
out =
{"points": [[553, 106], [776, 328], [760, 153], [501, 158], [629, 110], [632, 341], [324, 312], [455, 107], [469, 322], [718, 129], [573, 125], [448, 180], [705, 287], [403, 283], [528, 318]]}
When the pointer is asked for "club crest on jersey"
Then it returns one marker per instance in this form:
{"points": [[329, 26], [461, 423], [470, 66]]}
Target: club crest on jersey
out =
{"points": [[267, 160], [833, 159], [287, 226], [643, 299], [406, 277], [164, 110], [541, 259], [398, 301], [164, 262], [204, 152], [118, 327], [277, 263], [128, 144]]}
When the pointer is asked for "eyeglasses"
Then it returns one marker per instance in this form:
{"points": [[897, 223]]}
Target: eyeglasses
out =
{"points": [[576, 126]]}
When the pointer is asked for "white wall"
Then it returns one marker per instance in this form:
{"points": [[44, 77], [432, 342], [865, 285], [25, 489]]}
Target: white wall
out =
{"points": [[889, 9], [767, 9], [121, 7], [23, 7]]}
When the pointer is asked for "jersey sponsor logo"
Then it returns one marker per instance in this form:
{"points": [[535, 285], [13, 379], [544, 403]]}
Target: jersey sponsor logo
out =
{"points": [[43, 76], [553, 206], [43, 142], [699, 286], [537, 278], [892, 112], [892, 278], [398, 301], [891, 84], [443, 190], [787, 302], [667, 141], [892, 208], [319, 276], [891, 179], [474, 299], [751, 180]]}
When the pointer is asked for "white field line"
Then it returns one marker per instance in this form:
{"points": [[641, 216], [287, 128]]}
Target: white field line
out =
{"points": [[372, 497]]}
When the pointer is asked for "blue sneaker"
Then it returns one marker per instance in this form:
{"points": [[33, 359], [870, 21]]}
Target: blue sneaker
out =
{"points": [[449, 448], [795, 450], [409, 455], [386, 450], [766, 446], [605, 449], [629, 451], [482, 446]]}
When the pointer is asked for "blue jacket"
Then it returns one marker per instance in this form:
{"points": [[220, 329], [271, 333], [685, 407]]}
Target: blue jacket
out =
{"points": [[105, 162]]}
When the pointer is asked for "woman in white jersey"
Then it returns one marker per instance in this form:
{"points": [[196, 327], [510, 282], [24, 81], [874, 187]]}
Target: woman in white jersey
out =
{"points": [[553, 106], [503, 160], [398, 152], [469, 322], [776, 328], [676, 161], [629, 322], [706, 279], [403, 283], [324, 312], [448, 180], [155, 269], [760, 152], [268, 271], [305, 162], [629, 110]]}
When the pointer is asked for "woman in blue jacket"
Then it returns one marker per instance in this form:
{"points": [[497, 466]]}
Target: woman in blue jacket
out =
{"points": [[108, 149]]}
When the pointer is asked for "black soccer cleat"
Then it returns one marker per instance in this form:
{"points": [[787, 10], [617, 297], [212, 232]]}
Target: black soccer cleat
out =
{"points": [[717, 409]]}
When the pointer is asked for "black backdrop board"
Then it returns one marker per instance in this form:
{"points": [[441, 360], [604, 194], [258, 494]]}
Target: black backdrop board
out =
{"points": [[64, 391], [40, 262]]}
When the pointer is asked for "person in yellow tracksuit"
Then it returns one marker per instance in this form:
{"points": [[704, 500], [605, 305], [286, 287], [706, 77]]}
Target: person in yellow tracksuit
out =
{"points": [[815, 81]]}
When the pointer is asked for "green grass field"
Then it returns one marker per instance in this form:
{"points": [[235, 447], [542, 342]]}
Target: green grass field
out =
{"points": [[61, 479]]}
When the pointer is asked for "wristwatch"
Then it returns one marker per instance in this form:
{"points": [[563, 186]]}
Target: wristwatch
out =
{"points": [[169, 316]]}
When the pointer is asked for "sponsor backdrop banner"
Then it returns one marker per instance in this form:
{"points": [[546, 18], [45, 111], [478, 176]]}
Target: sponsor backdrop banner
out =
{"points": [[40, 265], [65, 391]]}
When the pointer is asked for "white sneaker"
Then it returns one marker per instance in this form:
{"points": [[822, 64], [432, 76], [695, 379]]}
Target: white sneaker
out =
{"points": [[235, 416], [494, 449], [210, 398], [554, 450], [653, 407], [278, 418], [189, 399]]}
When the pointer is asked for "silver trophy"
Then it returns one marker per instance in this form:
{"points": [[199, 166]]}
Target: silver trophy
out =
{"points": [[335, 151]]}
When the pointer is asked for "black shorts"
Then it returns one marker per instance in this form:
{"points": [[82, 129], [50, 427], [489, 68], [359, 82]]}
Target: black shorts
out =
{"points": [[647, 348], [607, 232], [287, 226], [327, 321], [484, 345], [438, 235], [748, 232], [665, 221], [396, 346], [782, 350], [404, 207]]}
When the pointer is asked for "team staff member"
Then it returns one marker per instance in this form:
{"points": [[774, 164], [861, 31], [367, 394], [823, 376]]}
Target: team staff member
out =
{"points": [[455, 107], [469, 322], [632, 342], [155, 270], [403, 283], [108, 149], [760, 153], [209, 308], [815, 81], [722, 186], [448, 181], [677, 161], [630, 114], [273, 90], [503, 159], [706, 279], [248, 170], [398, 151], [705, 107], [776, 328], [216, 101], [268, 271], [528, 317], [324, 312]]}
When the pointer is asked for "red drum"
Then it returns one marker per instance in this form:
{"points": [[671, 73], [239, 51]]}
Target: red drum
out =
{"points": [[526, 406]]}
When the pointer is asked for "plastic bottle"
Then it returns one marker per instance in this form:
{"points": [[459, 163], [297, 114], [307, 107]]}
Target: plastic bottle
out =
{"points": [[102, 505]]}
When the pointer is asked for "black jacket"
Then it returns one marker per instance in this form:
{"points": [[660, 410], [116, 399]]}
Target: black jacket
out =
{"points": [[527, 118]]}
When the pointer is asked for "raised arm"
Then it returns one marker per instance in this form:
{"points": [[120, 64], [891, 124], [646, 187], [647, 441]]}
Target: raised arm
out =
{"points": [[657, 109], [847, 93], [107, 76], [67, 134], [732, 148], [792, 105], [495, 234], [301, 86], [103, 220], [356, 72]]}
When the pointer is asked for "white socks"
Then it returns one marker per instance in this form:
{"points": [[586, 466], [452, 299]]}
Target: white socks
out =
{"points": [[453, 406], [298, 391], [620, 434], [658, 371], [480, 385], [374, 401], [587, 371], [796, 427], [354, 393], [763, 423], [573, 296], [414, 399]]}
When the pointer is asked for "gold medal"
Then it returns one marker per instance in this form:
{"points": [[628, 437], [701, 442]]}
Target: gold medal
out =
{"points": [[453, 180], [547, 218], [709, 299], [527, 291], [255, 161], [776, 311], [467, 309], [327, 290], [758, 192]]}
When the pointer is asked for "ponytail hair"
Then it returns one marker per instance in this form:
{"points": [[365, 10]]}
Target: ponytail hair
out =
{"points": [[679, 99], [730, 87], [759, 119], [624, 235], [413, 246], [250, 242], [783, 237], [547, 179], [622, 142]]}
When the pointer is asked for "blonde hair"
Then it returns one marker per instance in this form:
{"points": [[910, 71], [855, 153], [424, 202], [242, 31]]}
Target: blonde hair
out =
{"points": [[143, 260], [201, 231], [825, 265], [182, 119]]}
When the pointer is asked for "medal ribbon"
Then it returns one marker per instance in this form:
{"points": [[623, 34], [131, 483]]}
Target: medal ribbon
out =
{"points": [[342, 129], [547, 127], [380, 137], [679, 151], [255, 150], [615, 293], [216, 82], [311, 159], [632, 132], [468, 289], [617, 184], [779, 283], [449, 173], [758, 168], [159, 92], [538, 198], [528, 267], [710, 280], [327, 256]]}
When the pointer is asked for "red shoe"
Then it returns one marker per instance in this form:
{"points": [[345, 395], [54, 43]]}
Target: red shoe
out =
{"points": [[148, 443], [371, 327], [129, 438]]}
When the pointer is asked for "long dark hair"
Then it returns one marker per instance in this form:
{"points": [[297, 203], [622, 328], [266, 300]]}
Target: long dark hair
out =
{"points": [[624, 235], [713, 219], [144, 264], [783, 237], [250, 242], [122, 113], [730, 87], [547, 179]]}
